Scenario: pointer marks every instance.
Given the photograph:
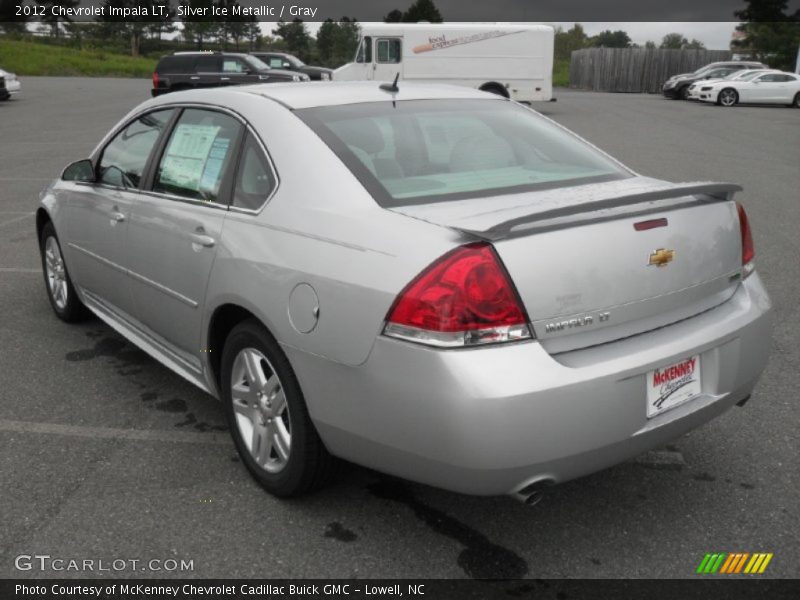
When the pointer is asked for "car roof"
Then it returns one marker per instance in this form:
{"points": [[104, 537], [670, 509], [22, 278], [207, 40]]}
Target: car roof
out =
{"points": [[332, 93]]}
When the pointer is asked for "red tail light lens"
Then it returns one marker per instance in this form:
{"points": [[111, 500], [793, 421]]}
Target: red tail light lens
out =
{"points": [[155, 79], [748, 250], [464, 298]]}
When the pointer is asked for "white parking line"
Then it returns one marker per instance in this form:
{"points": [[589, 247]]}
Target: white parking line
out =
{"points": [[113, 433], [18, 270], [10, 221]]}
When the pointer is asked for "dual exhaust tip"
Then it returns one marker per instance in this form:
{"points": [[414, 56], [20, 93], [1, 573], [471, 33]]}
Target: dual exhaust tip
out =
{"points": [[532, 493]]}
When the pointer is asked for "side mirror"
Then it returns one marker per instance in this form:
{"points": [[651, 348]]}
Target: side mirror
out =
{"points": [[82, 170]]}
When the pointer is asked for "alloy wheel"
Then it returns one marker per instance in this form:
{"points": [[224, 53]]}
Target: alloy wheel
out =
{"points": [[727, 97], [261, 411], [56, 273]]}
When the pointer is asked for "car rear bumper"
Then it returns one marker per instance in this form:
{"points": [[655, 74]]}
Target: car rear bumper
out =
{"points": [[494, 420]]}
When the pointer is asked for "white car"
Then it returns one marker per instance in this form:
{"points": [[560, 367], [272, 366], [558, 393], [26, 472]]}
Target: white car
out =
{"points": [[12, 85], [745, 75], [777, 87]]}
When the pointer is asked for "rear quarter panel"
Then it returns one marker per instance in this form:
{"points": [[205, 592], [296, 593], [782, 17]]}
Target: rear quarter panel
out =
{"points": [[321, 228]]}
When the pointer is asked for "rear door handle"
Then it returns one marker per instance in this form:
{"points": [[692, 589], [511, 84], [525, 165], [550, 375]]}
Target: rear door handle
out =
{"points": [[224, 78], [194, 77], [202, 240]]}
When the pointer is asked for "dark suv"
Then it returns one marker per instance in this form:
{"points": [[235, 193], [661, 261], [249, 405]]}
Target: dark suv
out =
{"points": [[187, 70], [281, 60]]}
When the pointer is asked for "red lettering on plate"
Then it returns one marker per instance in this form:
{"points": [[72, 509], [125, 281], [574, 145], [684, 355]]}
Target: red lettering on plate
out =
{"points": [[661, 377]]}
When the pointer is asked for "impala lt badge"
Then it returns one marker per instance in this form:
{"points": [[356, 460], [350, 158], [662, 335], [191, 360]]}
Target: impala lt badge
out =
{"points": [[661, 257]]}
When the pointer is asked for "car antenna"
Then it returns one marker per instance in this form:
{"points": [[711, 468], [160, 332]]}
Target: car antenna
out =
{"points": [[391, 87]]}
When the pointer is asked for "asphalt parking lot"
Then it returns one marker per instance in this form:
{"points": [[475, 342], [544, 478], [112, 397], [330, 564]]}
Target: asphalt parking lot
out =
{"points": [[105, 454]]}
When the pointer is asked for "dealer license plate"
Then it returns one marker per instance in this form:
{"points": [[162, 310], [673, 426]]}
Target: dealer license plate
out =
{"points": [[672, 385]]}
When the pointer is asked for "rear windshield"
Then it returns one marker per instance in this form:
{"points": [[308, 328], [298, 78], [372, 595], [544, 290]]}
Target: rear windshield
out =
{"points": [[421, 151]]}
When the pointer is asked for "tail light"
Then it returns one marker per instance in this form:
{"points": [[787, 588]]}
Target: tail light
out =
{"points": [[748, 250], [465, 298], [155, 79]]}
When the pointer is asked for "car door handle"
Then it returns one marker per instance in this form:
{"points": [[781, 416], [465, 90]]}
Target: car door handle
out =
{"points": [[117, 217], [202, 240], [194, 77], [224, 78]]}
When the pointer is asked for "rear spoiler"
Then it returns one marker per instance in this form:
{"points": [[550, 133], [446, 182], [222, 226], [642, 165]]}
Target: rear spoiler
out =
{"points": [[711, 192]]}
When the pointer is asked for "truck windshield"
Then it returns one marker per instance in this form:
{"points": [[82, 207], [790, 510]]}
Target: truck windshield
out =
{"points": [[421, 151]]}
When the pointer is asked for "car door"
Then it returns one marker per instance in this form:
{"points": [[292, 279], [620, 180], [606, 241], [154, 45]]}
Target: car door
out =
{"points": [[97, 213], [174, 229], [765, 88], [235, 71], [208, 71], [388, 58]]}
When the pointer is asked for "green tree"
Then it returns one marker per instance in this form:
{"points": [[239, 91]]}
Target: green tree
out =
{"points": [[673, 41], [768, 32], [337, 41], [566, 42], [393, 16], [422, 10], [695, 45], [132, 27], [650, 44], [53, 20], [200, 29], [296, 37], [611, 39], [165, 22]]}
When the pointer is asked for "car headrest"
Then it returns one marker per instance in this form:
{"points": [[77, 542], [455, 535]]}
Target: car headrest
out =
{"points": [[363, 134]]}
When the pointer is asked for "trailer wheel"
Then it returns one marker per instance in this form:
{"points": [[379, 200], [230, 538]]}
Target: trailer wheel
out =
{"points": [[494, 88]]}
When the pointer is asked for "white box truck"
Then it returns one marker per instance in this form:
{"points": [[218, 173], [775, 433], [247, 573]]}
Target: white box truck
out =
{"points": [[512, 59]]}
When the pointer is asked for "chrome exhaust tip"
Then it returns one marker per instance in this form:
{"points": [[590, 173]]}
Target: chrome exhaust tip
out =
{"points": [[532, 494]]}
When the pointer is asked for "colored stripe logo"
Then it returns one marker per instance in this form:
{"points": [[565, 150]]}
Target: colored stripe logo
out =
{"points": [[734, 563]]}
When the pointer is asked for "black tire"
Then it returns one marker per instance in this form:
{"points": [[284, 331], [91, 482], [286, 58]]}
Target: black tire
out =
{"points": [[495, 88], [796, 102], [71, 309], [721, 101], [683, 93], [309, 465]]}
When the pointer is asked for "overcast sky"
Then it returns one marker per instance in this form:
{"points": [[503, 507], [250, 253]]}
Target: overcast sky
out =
{"points": [[715, 35]]}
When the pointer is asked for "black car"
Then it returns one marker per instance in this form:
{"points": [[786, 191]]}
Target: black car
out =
{"points": [[280, 60], [186, 70], [677, 86]]}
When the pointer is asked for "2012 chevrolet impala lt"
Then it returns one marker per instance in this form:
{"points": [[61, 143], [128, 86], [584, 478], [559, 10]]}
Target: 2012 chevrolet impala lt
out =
{"points": [[434, 282]]}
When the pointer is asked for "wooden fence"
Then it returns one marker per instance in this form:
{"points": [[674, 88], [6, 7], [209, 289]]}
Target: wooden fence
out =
{"points": [[638, 70]]}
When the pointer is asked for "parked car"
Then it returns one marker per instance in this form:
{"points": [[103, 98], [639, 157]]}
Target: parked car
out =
{"points": [[774, 87], [10, 85], [677, 86], [187, 70], [743, 75], [465, 294], [289, 62]]}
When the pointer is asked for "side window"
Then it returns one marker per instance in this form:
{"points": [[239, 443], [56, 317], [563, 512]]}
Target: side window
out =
{"points": [[198, 155], [767, 78], [365, 51], [125, 157], [254, 180], [208, 64], [233, 65], [388, 50], [275, 62]]}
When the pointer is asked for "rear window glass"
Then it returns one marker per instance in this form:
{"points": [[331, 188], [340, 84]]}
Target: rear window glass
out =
{"points": [[176, 64], [422, 151]]}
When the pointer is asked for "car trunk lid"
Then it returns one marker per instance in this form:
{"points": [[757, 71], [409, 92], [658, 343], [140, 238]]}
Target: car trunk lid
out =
{"points": [[601, 262]]}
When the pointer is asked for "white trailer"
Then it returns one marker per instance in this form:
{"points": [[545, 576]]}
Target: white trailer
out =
{"points": [[512, 59]]}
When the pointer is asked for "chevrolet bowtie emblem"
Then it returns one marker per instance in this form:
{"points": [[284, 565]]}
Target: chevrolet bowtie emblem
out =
{"points": [[661, 257]]}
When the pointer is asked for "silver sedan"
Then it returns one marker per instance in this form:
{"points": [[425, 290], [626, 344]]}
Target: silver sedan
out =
{"points": [[434, 282]]}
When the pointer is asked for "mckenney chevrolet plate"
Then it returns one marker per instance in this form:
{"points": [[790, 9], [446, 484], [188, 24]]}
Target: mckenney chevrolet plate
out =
{"points": [[434, 282]]}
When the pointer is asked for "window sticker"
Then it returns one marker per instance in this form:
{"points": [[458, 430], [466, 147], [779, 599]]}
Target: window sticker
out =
{"points": [[187, 156]]}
